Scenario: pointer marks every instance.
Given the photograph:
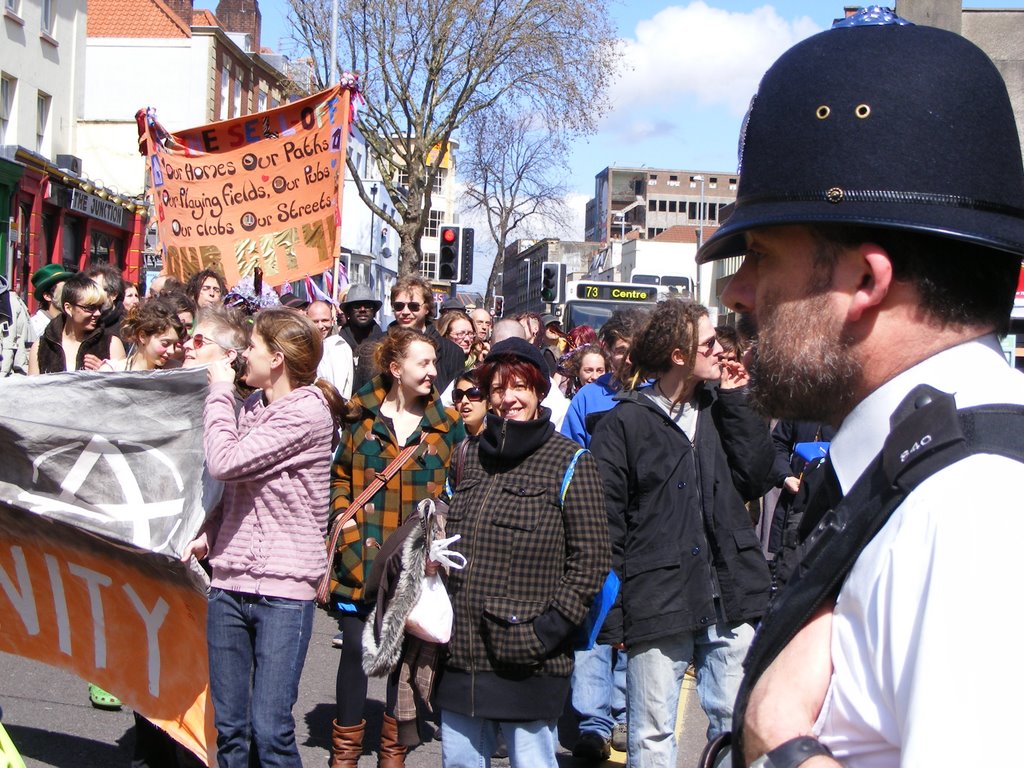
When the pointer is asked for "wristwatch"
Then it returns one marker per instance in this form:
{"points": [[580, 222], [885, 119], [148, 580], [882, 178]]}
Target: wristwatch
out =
{"points": [[792, 753]]}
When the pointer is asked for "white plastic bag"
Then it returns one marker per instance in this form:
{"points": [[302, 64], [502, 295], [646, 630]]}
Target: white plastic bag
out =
{"points": [[431, 618]]}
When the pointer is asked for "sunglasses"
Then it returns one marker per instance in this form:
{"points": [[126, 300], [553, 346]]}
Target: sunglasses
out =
{"points": [[707, 347], [198, 341], [414, 306], [90, 308], [473, 394]]}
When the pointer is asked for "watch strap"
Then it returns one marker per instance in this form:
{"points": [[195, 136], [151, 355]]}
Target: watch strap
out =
{"points": [[792, 753]]}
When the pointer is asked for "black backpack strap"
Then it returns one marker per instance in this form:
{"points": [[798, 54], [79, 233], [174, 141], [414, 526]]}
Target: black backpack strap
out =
{"points": [[927, 434]]}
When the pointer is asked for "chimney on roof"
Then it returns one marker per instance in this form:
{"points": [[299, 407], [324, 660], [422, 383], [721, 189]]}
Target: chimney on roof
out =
{"points": [[241, 16], [182, 9]]}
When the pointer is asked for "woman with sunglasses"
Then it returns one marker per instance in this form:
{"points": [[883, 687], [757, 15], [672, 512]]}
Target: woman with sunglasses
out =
{"points": [[537, 556], [265, 541], [469, 401], [398, 408], [154, 332], [220, 334], [76, 338]]}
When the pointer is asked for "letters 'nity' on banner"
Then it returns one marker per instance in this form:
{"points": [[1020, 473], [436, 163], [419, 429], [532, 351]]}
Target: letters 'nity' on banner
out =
{"points": [[262, 190]]}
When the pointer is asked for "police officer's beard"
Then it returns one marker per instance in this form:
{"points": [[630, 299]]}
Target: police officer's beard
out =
{"points": [[802, 367]]}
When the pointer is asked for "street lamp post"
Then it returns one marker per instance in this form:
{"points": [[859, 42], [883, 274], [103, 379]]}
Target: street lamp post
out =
{"points": [[373, 217], [701, 214]]}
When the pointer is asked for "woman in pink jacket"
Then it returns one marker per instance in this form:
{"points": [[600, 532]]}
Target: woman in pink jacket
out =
{"points": [[266, 541]]}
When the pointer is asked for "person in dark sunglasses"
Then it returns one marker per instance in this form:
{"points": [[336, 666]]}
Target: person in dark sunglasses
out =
{"points": [[412, 300], [469, 402], [76, 339], [219, 334]]}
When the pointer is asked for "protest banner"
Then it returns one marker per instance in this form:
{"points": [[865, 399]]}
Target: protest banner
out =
{"points": [[261, 190], [101, 487]]}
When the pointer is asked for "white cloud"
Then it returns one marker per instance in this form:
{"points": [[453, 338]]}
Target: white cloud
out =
{"points": [[713, 55]]}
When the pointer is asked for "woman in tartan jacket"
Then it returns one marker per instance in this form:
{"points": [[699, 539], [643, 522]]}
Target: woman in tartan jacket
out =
{"points": [[534, 566], [397, 408]]}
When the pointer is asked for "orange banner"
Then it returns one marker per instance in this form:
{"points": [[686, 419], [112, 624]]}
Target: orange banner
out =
{"points": [[261, 190], [130, 621]]}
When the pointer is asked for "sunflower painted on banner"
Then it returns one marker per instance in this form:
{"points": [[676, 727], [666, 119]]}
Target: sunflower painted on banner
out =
{"points": [[262, 190]]}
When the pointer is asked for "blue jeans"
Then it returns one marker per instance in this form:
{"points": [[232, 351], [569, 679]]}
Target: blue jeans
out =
{"points": [[262, 640], [655, 674], [468, 742], [599, 689]]}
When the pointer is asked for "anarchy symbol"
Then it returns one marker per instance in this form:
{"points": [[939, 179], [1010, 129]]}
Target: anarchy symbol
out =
{"points": [[134, 510]]}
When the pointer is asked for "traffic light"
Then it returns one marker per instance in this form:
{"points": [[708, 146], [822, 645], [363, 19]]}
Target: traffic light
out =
{"points": [[449, 260], [552, 282], [466, 276], [499, 306]]}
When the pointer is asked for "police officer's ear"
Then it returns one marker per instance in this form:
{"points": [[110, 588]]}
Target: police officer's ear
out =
{"points": [[864, 275]]}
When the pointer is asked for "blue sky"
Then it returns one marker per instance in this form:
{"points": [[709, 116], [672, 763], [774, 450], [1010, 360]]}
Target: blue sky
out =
{"points": [[689, 71]]}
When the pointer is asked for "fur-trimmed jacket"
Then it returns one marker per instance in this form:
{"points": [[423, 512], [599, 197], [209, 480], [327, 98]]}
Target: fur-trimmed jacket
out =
{"points": [[394, 587]]}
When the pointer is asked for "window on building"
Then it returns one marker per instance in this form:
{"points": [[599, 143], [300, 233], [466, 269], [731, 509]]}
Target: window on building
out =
{"points": [[261, 101], [732, 184], [99, 248], [671, 206], [652, 205], [71, 240], [12, 6], [652, 177], [662, 206], [439, 181], [434, 221], [106, 249], [47, 236], [401, 178], [7, 85], [46, 17], [42, 122], [225, 92], [237, 100], [713, 182], [429, 265], [650, 233], [673, 178], [691, 212]]}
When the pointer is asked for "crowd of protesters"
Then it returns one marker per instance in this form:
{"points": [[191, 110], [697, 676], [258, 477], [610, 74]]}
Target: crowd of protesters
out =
{"points": [[310, 404]]}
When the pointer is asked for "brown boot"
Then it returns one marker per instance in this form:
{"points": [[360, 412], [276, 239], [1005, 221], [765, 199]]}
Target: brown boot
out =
{"points": [[392, 754], [346, 745]]}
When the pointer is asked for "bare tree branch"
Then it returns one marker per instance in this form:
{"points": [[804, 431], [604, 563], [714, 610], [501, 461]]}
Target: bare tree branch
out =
{"points": [[429, 66], [513, 168]]}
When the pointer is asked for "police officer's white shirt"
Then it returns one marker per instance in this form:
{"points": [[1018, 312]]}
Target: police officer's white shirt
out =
{"points": [[336, 365], [925, 636]]}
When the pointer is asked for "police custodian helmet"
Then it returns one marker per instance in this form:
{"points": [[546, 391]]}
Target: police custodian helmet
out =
{"points": [[881, 123]]}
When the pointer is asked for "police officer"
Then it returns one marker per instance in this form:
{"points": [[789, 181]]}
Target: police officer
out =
{"points": [[881, 211]]}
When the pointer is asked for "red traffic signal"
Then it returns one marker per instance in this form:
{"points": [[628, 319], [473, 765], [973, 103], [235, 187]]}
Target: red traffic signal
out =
{"points": [[449, 260]]}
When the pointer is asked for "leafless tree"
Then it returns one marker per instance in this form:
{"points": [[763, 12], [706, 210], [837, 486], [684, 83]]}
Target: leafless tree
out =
{"points": [[428, 66], [514, 168]]}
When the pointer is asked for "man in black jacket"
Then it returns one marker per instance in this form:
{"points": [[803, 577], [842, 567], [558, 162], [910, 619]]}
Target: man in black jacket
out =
{"points": [[413, 303], [678, 457], [360, 308]]}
